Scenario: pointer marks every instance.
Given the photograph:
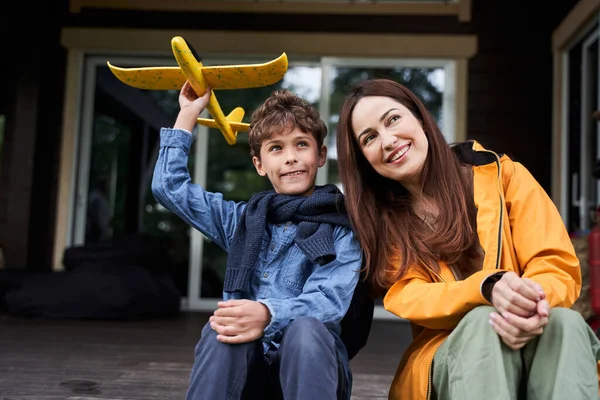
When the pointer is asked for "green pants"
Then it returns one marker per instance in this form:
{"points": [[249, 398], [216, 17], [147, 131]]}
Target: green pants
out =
{"points": [[474, 363]]}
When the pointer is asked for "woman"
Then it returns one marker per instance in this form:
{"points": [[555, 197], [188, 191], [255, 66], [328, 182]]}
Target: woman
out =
{"points": [[475, 256]]}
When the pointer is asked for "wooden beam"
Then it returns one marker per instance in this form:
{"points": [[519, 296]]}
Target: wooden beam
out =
{"points": [[249, 42], [462, 90], [582, 13], [19, 142], [279, 7], [464, 11], [557, 140], [68, 169]]}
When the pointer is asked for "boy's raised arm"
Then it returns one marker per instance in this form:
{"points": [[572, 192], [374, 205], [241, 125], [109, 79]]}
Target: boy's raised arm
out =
{"points": [[172, 184]]}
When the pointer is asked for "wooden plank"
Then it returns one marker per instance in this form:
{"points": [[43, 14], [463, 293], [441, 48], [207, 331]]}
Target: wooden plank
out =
{"points": [[295, 7], [19, 173], [275, 43], [144, 360], [464, 11], [371, 386]]}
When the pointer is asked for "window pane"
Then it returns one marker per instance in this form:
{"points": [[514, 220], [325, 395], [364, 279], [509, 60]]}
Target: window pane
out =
{"points": [[156, 220], [124, 145], [107, 179], [427, 83], [123, 148]]}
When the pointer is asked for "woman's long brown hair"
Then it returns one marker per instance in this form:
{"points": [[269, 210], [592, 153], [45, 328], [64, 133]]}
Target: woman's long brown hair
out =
{"points": [[393, 237]]}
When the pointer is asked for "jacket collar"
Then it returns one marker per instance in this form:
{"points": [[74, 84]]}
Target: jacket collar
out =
{"points": [[473, 153]]}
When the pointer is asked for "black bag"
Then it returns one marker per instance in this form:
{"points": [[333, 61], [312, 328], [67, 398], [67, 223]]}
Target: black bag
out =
{"points": [[98, 291], [356, 324], [121, 278]]}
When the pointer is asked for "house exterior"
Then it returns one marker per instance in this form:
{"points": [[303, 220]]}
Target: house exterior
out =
{"points": [[522, 81]]}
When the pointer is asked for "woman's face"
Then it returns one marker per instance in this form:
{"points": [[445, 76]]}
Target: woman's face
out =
{"points": [[391, 138]]}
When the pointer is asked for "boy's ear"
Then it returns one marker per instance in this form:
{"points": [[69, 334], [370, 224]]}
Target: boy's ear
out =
{"points": [[258, 166], [322, 156]]}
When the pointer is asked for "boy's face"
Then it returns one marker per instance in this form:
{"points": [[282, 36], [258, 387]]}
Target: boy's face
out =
{"points": [[291, 160]]}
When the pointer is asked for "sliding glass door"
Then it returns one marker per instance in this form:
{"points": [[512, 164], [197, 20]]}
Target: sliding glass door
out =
{"points": [[119, 138]]}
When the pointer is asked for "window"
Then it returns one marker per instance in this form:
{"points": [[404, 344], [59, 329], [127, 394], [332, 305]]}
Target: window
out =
{"points": [[112, 129], [577, 129], [119, 146]]}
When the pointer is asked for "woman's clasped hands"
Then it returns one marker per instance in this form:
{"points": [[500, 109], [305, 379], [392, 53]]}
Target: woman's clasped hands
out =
{"points": [[521, 310]]}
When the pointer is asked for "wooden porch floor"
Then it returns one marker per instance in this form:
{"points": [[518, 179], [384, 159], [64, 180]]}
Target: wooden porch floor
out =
{"points": [[143, 360]]}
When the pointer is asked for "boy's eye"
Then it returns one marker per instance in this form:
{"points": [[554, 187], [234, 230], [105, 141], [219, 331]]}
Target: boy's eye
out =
{"points": [[275, 148], [302, 143]]}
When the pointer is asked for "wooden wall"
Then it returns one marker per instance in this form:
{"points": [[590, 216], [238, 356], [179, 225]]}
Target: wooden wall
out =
{"points": [[510, 79], [31, 93], [509, 105]]}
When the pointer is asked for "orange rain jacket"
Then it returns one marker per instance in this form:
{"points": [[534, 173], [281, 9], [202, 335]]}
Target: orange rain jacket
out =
{"points": [[519, 230]]}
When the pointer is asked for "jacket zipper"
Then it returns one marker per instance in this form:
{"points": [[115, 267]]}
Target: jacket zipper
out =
{"points": [[430, 371], [501, 208], [498, 256], [430, 380], [431, 270]]}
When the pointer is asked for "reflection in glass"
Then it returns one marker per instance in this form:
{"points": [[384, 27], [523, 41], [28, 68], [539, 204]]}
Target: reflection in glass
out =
{"points": [[125, 141], [427, 83], [123, 149], [229, 168]]}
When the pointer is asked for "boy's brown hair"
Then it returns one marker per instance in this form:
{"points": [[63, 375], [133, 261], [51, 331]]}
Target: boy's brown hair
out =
{"points": [[282, 111]]}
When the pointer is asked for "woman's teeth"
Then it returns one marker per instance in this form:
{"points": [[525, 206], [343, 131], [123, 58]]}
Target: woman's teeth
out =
{"points": [[400, 153]]}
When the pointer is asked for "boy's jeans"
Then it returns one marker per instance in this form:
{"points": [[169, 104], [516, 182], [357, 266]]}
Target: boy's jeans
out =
{"points": [[306, 366]]}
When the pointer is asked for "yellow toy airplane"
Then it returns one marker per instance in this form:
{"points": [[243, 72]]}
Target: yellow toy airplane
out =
{"points": [[199, 76]]}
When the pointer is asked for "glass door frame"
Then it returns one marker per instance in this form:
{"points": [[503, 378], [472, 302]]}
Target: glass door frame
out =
{"points": [[572, 29], [586, 130], [579, 195]]}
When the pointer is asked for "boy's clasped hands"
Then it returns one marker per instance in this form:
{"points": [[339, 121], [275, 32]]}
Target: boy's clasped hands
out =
{"points": [[240, 321]]}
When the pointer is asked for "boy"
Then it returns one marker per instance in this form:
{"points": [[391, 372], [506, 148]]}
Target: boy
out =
{"points": [[293, 262]]}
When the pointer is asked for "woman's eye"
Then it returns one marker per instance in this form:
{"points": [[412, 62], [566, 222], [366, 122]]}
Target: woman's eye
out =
{"points": [[393, 119], [368, 138]]}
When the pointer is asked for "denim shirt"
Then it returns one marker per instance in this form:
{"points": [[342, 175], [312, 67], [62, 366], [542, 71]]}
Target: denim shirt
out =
{"points": [[284, 279]]}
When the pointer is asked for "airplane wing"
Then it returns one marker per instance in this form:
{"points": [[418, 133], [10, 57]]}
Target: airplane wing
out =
{"points": [[151, 78], [218, 77], [234, 118], [246, 76], [235, 126]]}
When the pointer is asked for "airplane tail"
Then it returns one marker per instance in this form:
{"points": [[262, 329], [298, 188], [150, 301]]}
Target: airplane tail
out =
{"points": [[234, 118]]}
